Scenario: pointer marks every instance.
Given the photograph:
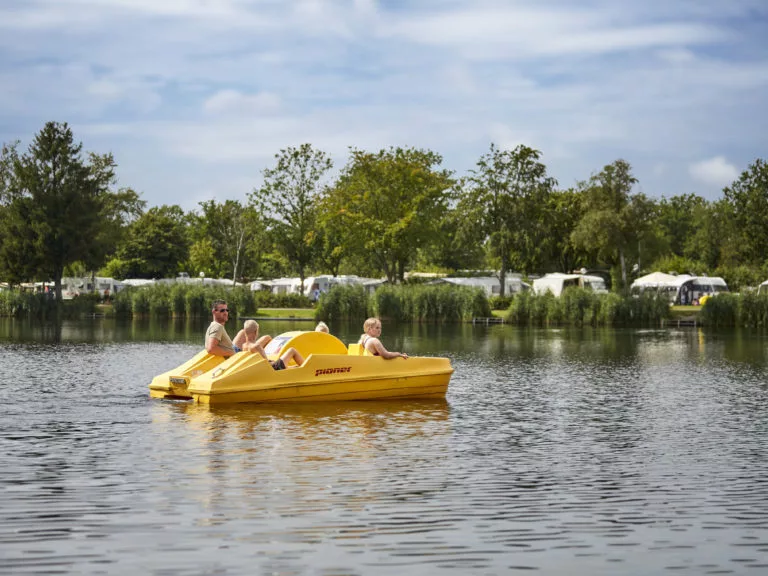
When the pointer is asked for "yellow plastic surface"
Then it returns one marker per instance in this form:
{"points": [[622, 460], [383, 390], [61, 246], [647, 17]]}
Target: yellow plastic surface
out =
{"points": [[331, 371]]}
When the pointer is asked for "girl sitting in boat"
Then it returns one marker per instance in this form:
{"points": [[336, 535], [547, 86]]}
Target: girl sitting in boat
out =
{"points": [[248, 340], [370, 340]]}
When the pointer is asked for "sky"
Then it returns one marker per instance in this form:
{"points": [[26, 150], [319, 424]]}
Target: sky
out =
{"points": [[195, 97]]}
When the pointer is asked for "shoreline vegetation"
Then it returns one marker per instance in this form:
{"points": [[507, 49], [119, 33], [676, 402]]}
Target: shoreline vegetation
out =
{"points": [[402, 303]]}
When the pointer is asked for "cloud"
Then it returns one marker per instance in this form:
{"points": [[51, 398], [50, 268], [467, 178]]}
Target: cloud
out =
{"points": [[233, 102], [194, 96], [716, 171]]}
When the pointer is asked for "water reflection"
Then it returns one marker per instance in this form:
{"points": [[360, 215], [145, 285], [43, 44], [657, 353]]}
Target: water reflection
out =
{"points": [[558, 451]]}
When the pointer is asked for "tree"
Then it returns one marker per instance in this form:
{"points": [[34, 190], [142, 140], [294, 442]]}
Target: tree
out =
{"points": [[17, 262], [156, 244], [748, 197], [390, 203], [506, 197], [55, 206], [287, 199], [454, 245], [616, 223], [229, 228], [676, 219], [564, 210]]}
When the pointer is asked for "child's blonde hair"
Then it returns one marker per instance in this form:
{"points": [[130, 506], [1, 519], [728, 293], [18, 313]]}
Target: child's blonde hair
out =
{"points": [[370, 323], [367, 325], [251, 327], [322, 327]]}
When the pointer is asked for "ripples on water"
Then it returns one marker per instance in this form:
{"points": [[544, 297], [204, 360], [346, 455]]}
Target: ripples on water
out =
{"points": [[558, 452]]}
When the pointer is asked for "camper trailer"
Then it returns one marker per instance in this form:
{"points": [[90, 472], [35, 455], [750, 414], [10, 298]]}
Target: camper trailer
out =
{"points": [[490, 284], [557, 282], [682, 289], [73, 287]]}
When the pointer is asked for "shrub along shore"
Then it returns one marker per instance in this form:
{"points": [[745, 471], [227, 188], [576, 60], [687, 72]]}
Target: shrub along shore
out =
{"points": [[403, 303]]}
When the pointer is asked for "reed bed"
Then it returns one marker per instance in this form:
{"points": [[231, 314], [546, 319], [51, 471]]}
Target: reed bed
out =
{"points": [[730, 310], [404, 303], [179, 300], [38, 305], [582, 307]]}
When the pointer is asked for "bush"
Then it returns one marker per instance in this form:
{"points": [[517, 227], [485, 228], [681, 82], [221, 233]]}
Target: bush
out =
{"points": [[582, 307], [43, 306], [346, 302], [722, 310], [499, 303], [430, 303]]}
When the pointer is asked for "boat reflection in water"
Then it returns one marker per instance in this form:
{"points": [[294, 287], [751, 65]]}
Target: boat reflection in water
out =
{"points": [[301, 468]]}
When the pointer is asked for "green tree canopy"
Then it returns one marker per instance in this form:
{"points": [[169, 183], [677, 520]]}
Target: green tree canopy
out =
{"points": [[288, 202], [390, 204], [156, 244], [617, 224], [748, 197], [57, 206], [505, 199]]}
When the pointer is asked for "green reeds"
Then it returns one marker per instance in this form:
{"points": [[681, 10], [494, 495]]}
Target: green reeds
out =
{"points": [[346, 302], [404, 303], [190, 300], [19, 304], [582, 307], [728, 310]]}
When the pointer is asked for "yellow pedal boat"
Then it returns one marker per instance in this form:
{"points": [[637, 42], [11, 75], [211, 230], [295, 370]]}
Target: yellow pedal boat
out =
{"points": [[331, 371]]}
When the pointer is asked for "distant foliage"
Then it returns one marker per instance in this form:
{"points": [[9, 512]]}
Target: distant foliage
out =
{"points": [[500, 302], [343, 303], [420, 303], [40, 306], [404, 303], [749, 309], [190, 300], [583, 307]]}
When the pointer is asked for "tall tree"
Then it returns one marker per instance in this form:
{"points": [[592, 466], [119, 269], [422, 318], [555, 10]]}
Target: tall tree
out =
{"points": [[506, 198], [229, 227], [56, 205], [748, 197], [288, 201], [390, 203], [616, 224], [156, 244], [564, 210]]}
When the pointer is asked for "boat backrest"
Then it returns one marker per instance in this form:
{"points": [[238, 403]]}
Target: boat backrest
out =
{"points": [[355, 350]]}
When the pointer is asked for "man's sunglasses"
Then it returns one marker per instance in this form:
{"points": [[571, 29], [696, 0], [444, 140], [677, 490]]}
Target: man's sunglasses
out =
{"points": [[223, 310]]}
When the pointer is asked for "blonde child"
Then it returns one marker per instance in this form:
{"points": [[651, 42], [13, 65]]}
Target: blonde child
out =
{"points": [[248, 340], [370, 340]]}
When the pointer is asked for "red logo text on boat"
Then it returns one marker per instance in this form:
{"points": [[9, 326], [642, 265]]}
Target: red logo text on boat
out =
{"points": [[340, 370]]}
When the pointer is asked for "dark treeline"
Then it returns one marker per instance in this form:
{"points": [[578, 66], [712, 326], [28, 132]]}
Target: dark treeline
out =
{"points": [[385, 213]]}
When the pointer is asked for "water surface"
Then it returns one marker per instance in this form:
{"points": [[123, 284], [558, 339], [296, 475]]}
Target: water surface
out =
{"points": [[555, 452]]}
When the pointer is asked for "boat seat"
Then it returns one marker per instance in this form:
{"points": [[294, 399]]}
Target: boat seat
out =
{"points": [[355, 350]]}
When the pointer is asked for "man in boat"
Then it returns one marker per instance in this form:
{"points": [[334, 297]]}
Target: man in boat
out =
{"points": [[217, 341], [248, 340], [370, 340]]}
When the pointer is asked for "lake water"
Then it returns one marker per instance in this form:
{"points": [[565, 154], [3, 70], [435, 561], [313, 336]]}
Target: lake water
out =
{"points": [[633, 452]]}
